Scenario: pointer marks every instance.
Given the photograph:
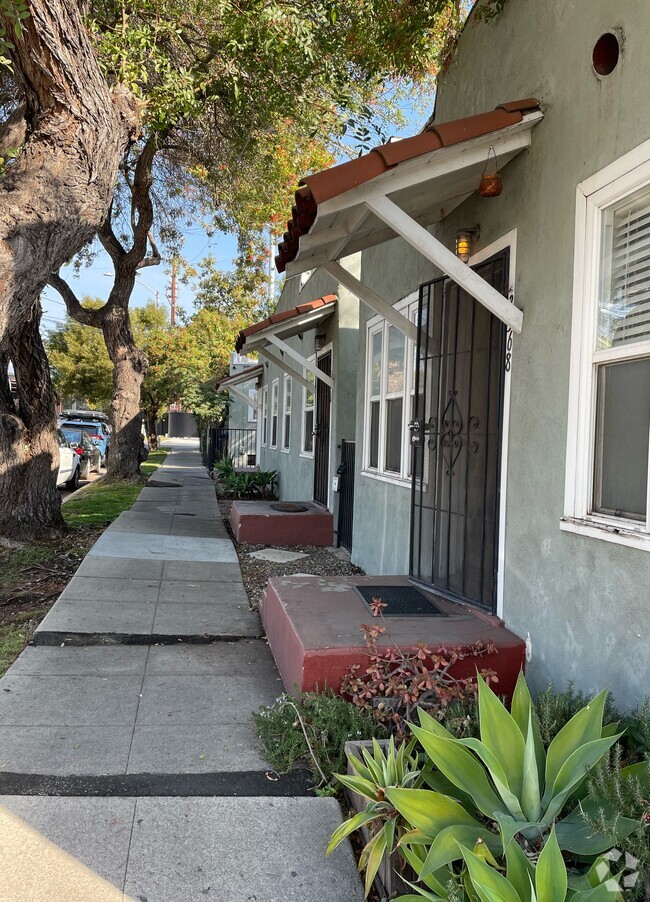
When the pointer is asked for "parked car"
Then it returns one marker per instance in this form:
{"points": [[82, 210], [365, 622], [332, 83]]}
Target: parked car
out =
{"points": [[69, 464], [89, 454], [93, 423]]}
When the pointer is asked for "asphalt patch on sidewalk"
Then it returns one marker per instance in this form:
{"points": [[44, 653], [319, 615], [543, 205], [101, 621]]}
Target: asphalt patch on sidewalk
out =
{"points": [[237, 784]]}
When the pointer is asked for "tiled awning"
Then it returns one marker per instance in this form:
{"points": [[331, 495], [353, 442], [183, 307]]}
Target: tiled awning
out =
{"points": [[240, 378], [287, 323], [400, 189], [427, 176]]}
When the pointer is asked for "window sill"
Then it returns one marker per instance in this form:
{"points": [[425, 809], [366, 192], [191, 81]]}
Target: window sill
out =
{"points": [[285, 450], [307, 455], [619, 535], [404, 482]]}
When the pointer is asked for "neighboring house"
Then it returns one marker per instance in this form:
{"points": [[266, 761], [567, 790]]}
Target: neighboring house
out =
{"points": [[503, 407], [308, 350], [238, 436]]}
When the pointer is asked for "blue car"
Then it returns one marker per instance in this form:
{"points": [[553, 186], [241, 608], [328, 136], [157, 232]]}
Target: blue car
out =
{"points": [[94, 425]]}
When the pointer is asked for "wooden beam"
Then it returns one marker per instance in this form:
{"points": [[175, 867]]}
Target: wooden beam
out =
{"points": [[436, 252], [308, 365], [277, 361], [242, 397], [372, 300]]}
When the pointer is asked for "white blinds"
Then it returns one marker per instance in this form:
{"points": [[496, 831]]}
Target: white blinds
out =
{"points": [[629, 301]]}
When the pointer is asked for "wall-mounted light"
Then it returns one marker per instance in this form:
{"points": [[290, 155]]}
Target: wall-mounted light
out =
{"points": [[465, 239], [319, 342]]}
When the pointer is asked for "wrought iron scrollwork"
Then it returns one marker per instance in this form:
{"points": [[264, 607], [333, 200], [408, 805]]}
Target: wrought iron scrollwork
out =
{"points": [[451, 438]]}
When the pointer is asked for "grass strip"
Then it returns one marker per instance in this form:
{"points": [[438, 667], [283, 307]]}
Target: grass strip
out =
{"points": [[102, 502], [32, 576]]}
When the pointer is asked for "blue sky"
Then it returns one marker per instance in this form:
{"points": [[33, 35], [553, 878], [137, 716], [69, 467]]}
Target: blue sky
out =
{"points": [[93, 282]]}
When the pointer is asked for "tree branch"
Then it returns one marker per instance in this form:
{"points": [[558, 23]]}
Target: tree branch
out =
{"points": [[109, 240], [141, 204], [82, 314], [154, 257]]}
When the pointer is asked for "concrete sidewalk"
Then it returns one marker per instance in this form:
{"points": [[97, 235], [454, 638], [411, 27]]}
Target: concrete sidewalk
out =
{"points": [[125, 731]]}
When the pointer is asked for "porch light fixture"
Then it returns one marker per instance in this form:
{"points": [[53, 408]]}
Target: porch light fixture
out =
{"points": [[319, 342], [465, 239]]}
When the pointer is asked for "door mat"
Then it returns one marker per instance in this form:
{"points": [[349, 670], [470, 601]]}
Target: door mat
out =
{"points": [[402, 601], [289, 507]]}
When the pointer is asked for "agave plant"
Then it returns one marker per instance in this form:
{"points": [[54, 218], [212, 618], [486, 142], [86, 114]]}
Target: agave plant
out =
{"points": [[505, 797], [371, 778]]}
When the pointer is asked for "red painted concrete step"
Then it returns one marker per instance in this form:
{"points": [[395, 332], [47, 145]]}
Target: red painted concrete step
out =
{"points": [[313, 628], [257, 523]]}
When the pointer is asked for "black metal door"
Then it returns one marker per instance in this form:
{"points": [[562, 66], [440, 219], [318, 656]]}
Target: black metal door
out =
{"points": [[322, 432], [456, 439], [346, 495]]}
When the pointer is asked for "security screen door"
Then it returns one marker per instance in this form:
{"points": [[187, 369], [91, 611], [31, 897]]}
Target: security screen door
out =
{"points": [[322, 432], [456, 439]]}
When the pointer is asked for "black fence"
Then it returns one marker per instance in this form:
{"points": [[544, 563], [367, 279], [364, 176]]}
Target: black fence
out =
{"points": [[239, 444]]}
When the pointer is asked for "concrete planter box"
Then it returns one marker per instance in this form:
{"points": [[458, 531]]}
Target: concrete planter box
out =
{"points": [[388, 881]]}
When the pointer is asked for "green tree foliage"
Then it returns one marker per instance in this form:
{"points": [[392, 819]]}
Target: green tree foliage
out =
{"points": [[240, 291], [80, 364]]}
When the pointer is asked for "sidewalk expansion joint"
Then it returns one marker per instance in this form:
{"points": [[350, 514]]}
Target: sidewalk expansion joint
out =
{"points": [[80, 639], [224, 784]]}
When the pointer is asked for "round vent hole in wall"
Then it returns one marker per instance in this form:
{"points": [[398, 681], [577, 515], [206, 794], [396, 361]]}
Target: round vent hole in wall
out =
{"points": [[607, 51]]}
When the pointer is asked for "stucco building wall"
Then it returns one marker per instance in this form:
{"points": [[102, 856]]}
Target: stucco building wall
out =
{"points": [[584, 601]]}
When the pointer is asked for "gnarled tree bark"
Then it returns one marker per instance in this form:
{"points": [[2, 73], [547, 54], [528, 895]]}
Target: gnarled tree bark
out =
{"points": [[129, 363], [31, 503], [52, 201]]}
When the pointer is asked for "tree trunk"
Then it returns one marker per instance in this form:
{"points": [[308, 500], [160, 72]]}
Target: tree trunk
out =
{"points": [[31, 501], [129, 368], [151, 419], [52, 201]]}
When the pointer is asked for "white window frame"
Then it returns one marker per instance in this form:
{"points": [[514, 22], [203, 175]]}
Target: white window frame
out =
{"points": [[309, 376], [252, 409], [609, 186], [265, 416], [274, 414], [408, 306], [287, 389]]}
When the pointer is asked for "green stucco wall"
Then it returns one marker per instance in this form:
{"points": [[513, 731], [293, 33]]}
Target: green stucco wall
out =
{"points": [[341, 331], [584, 601]]}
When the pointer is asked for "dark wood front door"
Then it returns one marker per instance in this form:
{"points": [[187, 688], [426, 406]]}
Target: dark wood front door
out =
{"points": [[456, 439], [322, 431]]}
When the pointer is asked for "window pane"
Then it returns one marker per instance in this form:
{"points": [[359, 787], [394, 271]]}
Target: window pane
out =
{"points": [[622, 439], [396, 352], [375, 378], [287, 430], [624, 304], [309, 395], [394, 409], [373, 454], [309, 428]]}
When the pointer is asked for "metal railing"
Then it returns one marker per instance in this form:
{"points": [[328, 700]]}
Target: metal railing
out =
{"points": [[239, 444]]}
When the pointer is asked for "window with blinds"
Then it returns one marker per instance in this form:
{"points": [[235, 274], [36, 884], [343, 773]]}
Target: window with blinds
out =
{"points": [[622, 376], [624, 308]]}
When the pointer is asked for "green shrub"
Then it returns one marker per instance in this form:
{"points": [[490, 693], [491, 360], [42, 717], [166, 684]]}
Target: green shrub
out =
{"points": [[555, 709], [328, 721], [515, 802], [624, 792]]}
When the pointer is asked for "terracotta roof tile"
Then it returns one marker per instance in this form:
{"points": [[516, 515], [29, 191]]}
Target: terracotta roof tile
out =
{"points": [[316, 189], [283, 317], [250, 373]]}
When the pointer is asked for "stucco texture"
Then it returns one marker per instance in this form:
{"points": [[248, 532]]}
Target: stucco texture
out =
{"points": [[584, 601]]}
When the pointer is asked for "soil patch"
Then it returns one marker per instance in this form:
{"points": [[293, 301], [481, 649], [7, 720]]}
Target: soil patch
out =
{"points": [[318, 561]]}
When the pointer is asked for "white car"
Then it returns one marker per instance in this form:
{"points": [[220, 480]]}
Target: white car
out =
{"points": [[69, 463]]}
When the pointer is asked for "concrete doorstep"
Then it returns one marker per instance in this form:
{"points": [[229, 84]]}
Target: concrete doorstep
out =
{"points": [[129, 764]]}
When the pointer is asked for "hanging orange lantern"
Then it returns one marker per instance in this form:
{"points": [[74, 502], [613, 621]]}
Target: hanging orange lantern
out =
{"points": [[490, 181]]}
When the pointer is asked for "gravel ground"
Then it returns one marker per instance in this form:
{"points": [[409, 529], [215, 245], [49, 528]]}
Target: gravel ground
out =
{"points": [[256, 573]]}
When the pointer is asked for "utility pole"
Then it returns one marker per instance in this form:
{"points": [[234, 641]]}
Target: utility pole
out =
{"points": [[173, 311], [172, 298]]}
